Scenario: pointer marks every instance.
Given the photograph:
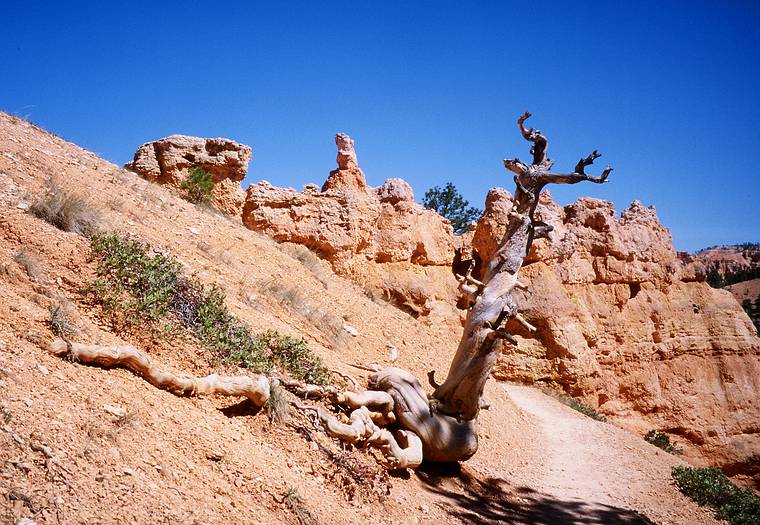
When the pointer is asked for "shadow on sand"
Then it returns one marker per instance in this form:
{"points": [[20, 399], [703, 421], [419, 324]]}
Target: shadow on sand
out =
{"points": [[494, 500]]}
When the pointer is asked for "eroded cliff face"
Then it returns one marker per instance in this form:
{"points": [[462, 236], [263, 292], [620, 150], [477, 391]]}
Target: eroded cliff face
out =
{"points": [[625, 325], [379, 237], [168, 161], [623, 322]]}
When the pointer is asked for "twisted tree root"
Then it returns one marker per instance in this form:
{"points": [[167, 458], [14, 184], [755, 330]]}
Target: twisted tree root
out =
{"points": [[401, 451], [255, 388], [404, 450]]}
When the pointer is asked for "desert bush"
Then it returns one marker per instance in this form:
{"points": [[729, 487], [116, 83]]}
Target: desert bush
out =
{"points": [[67, 211], [660, 440], [59, 320], [297, 505], [137, 288], [198, 186], [134, 287], [33, 268], [294, 355], [575, 404], [709, 486]]}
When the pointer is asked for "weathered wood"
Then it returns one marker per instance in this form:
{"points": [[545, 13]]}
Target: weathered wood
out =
{"points": [[446, 423]]}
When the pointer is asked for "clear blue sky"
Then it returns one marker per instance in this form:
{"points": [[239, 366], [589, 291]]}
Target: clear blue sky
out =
{"points": [[669, 92]]}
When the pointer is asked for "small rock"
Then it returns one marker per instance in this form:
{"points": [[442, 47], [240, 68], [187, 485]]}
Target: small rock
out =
{"points": [[43, 370], [128, 471], [194, 231], [26, 521], [22, 206], [351, 330], [214, 456], [115, 411]]}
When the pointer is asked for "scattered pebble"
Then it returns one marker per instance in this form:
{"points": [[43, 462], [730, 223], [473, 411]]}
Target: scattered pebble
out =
{"points": [[351, 330], [114, 410], [214, 456]]}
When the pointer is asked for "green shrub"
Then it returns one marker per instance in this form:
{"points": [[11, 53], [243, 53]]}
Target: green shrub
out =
{"points": [[575, 404], [198, 186], [709, 486], [136, 288], [67, 211], [294, 355], [660, 440]]}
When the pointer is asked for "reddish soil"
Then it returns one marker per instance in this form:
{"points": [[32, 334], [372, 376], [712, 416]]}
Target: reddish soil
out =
{"points": [[65, 458]]}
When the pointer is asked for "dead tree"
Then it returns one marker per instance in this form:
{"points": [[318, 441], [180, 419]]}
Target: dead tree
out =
{"points": [[446, 421], [395, 414]]}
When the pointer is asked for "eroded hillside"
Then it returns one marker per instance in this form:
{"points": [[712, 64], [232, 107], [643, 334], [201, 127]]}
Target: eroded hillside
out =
{"points": [[80, 444]]}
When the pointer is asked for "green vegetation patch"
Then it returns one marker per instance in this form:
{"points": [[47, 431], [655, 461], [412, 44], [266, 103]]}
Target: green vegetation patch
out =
{"points": [[138, 289], [661, 440], [198, 186], [709, 486], [575, 404], [449, 203]]}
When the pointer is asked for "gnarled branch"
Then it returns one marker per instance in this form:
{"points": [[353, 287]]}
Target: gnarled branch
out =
{"points": [[255, 388], [540, 143]]}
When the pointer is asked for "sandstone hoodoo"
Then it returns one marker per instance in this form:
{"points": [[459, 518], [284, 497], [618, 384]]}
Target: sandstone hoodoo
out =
{"points": [[169, 160], [626, 326], [379, 237], [348, 175]]}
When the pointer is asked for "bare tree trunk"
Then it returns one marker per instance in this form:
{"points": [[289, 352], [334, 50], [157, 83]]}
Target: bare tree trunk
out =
{"points": [[446, 423]]}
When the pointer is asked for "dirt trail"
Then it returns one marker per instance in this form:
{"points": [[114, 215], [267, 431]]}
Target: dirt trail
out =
{"points": [[597, 463]]}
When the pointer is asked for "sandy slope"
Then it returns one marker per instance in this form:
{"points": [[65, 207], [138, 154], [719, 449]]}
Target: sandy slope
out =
{"points": [[177, 460]]}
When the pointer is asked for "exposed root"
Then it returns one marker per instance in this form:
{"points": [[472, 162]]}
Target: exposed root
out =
{"points": [[347, 378], [255, 388], [443, 438], [404, 452]]}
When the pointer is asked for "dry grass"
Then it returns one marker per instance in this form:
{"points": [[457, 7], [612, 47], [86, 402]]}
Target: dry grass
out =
{"points": [[32, 266], [67, 211], [310, 260], [292, 298], [296, 504]]}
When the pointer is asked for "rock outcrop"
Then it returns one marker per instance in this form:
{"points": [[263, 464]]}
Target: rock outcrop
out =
{"points": [[623, 324], [379, 237], [731, 263], [168, 161]]}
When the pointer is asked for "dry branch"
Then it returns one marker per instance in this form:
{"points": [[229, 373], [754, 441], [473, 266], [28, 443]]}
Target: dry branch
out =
{"points": [[254, 388]]}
